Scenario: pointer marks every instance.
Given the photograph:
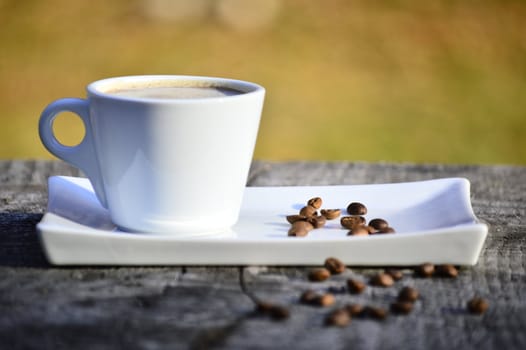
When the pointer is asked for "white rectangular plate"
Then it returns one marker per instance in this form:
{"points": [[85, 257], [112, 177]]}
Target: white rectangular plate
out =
{"points": [[434, 222]]}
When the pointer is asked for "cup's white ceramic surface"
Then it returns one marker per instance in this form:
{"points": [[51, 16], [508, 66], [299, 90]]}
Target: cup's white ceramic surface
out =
{"points": [[176, 166]]}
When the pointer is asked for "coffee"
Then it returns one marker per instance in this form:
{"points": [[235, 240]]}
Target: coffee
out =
{"points": [[174, 92]]}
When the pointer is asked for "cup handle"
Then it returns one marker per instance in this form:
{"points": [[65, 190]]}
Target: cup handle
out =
{"points": [[83, 155]]}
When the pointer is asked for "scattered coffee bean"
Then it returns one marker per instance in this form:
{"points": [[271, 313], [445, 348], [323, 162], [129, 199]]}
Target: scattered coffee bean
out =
{"points": [[395, 274], [331, 214], [308, 211], [446, 270], [308, 297], [293, 218], [425, 270], [386, 230], [315, 202], [278, 312], [334, 266], [300, 229], [408, 294], [359, 231], [375, 312], [338, 317], [356, 208], [319, 274], [263, 307], [478, 305], [401, 307], [382, 280], [378, 224], [324, 300], [354, 309], [317, 221], [350, 222], [355, 286]]}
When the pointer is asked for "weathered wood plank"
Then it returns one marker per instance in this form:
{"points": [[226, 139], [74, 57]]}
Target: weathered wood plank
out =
{"points": [[204, 307]]}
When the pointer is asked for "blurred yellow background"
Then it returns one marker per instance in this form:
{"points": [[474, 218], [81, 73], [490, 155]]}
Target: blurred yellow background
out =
{"points": [[417, 81]]}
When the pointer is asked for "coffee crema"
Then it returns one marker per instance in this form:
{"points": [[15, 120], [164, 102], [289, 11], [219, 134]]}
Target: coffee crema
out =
{"points": [[174, 92]]}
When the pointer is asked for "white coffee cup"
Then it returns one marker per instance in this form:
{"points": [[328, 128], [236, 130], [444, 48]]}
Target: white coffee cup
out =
{"points": [[164, 165]]}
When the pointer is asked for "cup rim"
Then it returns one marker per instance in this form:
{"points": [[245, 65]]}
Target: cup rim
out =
{"points": [[101, 87]]}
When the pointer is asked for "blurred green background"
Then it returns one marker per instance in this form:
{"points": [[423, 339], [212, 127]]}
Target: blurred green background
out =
{"points": [[416, 81]]}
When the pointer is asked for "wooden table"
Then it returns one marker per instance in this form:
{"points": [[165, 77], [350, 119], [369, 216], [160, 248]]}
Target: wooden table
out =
{"points": [[182, 307]]}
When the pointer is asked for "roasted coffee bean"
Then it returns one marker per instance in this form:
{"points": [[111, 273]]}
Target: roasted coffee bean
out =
{"points": [[375, 312], [382, 280], [308, 211], [354, 309], [338, 318], [331, 214], [446, 270], [358, 231], [300, 229], [317, 221], [356, 208], [350, 222], [386, 230], [278, 312], [371, 230], [263, 307], [408, 294], [293, 218], [324, 300], [315, 202], [334, 266], [425, 270], [319, 274], [308, 297], [378, 224], [478, 305], [401, 307], [396, 274], [355, 286]]}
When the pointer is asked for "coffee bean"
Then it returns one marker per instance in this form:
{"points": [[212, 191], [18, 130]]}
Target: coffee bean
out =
{"points": [[359, 231], [356, 208], [355, 286], [331, 214], [375, 312], [378, 224], [315, 202], [354, 309], [308, 211], [324, 300], [425, 270], [308, 297], [263, 307], [386, 230], [350, 222], [319, 274], [317, 221], [408, 294], [334, 266], [338, 318], [293, 218], [478, 305], [300, 229], [401, 307], [396, 274], [382, 280], [278, 312], [446, 270]]}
